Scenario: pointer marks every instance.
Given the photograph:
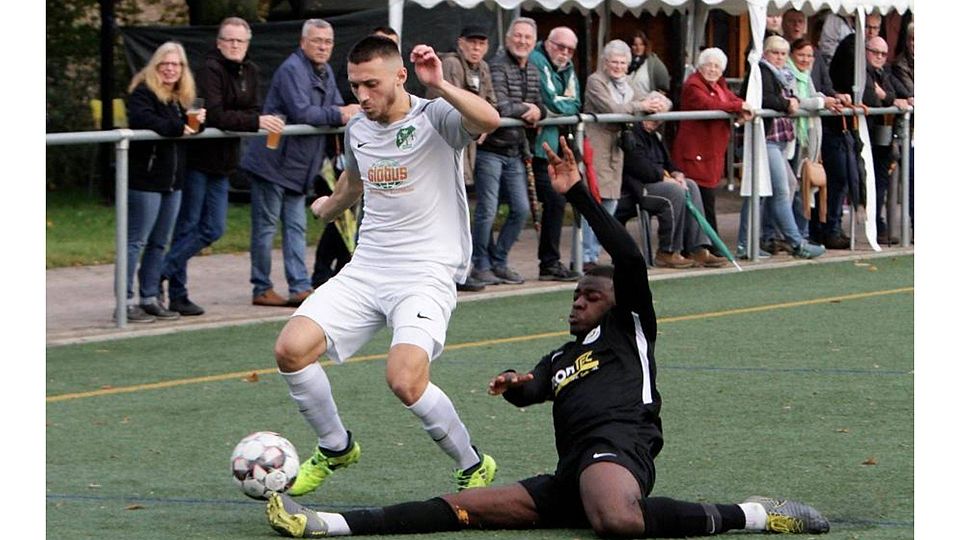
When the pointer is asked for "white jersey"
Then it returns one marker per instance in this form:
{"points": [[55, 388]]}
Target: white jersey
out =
{"points": [[414, 200]]}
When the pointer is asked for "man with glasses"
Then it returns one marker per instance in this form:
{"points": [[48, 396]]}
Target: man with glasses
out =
{"points": [[227, 81], [500, 172], [560, 94], [465, 68], [304, 90]]}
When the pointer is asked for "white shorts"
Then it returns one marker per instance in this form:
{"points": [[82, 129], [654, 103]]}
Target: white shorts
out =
{"points": [[351, 307]]}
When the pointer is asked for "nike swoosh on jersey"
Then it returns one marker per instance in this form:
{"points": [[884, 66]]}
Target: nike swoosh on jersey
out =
{"points": [[421, 316], [362, 144], [599, 455]]}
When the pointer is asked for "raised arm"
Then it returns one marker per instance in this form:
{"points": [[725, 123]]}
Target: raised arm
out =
{"points": [[478, 115], [630, 270]]}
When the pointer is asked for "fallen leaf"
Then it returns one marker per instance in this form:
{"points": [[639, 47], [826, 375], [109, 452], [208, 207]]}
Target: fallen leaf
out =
{"points": [[93, 486], [126, 420], [252, 377], [861, 263], [843, 430], [870, 461], [872, 269], [106, 387], [134, 507]]}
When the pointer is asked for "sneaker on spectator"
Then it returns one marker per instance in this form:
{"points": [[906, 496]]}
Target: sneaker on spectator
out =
{"points": [[155, 308], [836, 241], [297, 298], [703, 257], [269, 298], [185, 307], [672, 259], [743, 255], [558, 272], [136, 314], [806, 250], [507, 275], [471, 285], [886, 238], [485, 277]]}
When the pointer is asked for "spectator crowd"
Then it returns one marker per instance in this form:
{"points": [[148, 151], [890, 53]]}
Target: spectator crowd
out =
{"points": [[178, 191]]}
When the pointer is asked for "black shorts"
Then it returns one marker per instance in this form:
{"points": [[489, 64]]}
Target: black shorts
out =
{"points": [[557, 496]]}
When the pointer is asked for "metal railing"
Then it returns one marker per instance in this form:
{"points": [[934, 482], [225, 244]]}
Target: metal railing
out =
{"points": [[121, 139]]}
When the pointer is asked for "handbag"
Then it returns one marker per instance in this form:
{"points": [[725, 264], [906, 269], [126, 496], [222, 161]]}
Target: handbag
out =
{"points": [[813, 174]]}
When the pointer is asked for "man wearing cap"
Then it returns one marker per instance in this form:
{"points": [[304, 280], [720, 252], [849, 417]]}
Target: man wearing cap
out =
{"points": [[560, 94], [465, 68]]}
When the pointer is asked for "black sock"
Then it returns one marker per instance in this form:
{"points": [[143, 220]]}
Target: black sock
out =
{"points": [[668, 518], [430, 516]]}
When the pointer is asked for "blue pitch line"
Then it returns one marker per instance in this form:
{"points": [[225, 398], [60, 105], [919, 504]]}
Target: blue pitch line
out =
{"points": [[176, 500], [821, 371]]}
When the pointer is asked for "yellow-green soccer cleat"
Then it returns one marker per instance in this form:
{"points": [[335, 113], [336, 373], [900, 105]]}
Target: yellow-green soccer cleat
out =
{"points": [[480, 475], [289, 518], [791, 516], [316, 469]]}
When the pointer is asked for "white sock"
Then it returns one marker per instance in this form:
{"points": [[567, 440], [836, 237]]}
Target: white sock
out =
{"points": [[440, 420], [756, 516], [310, 389], [336, 524]]}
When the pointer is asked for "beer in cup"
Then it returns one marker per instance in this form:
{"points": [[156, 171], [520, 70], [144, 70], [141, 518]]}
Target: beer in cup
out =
{"points": [[273, 138], [193, 114]]}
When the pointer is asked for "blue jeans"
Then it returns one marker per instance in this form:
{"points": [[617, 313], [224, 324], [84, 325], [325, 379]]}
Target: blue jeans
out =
{"points": [[498, 175], [270, 203], [202, 220], [591, 246], [776, 211], [150, 219]]}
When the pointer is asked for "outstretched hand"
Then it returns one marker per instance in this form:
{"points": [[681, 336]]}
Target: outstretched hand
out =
{"points": [[505, 381], [563, 173], [427, 65]]}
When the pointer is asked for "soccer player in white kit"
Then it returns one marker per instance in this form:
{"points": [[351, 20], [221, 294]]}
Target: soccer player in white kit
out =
{"points": [[404, 155]]}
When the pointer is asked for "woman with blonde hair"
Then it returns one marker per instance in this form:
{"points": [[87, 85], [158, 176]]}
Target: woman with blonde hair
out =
{"points": [[609, 90], [160, 95]]}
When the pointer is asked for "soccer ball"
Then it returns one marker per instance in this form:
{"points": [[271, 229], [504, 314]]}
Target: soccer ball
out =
{"points": [[263, 462]]}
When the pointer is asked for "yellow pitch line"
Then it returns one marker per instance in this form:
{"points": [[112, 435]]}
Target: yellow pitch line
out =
{"points": [[467, 345]]}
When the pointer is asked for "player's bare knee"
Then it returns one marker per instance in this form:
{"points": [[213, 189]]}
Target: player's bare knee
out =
{"points": [[288, 358], [408, 387], [617, 524]]}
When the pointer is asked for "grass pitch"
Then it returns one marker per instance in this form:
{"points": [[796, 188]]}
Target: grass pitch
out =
{"points": [[794, 382]]}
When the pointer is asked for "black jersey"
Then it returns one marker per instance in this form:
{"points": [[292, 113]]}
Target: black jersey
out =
{"points": [[604, 384]]}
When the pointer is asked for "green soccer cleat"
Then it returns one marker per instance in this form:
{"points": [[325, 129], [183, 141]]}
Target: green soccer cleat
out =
{"points": [[316, 469], [290, 518], [791, 516], [480, 475]]}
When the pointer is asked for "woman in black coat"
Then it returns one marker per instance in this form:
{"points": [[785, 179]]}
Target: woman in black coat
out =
{"points": [[160, 95]]}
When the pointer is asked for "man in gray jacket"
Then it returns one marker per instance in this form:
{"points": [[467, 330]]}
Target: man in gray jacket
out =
{"points": [[500, 169], [304, 90]]}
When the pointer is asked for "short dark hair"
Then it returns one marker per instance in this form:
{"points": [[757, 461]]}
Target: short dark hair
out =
{"points": [[800, 43], [384, 30], [600, 270], [372, 47]]}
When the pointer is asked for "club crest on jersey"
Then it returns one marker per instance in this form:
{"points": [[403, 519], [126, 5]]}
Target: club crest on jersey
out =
{"points": [[387, 174], [405, 137]]}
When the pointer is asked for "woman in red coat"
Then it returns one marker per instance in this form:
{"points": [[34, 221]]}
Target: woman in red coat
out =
{"points": [[701, 145]]}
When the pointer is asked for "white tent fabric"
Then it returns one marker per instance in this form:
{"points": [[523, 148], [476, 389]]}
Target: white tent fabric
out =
{"points": [[736, 7]]}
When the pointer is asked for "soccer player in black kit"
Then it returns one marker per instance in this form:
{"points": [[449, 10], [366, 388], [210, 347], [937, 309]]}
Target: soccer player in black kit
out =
{"points": [[606, 416]]}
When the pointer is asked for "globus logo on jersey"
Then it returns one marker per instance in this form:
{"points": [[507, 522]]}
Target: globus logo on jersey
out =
{"points": [[387, 174]]}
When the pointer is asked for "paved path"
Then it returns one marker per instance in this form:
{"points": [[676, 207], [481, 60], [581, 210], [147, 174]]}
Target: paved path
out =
{"points": [[79, 300]]}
